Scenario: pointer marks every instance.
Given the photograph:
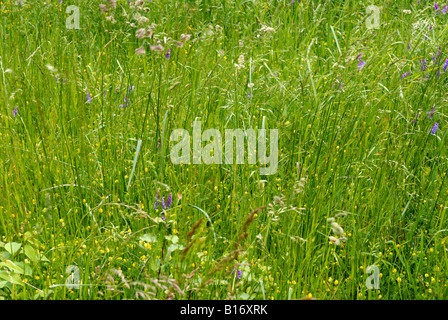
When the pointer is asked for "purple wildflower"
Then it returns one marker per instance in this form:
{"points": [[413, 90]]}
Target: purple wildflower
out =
{"points": [[156, 204], [444, 9], [341, 84], [361, 65], [415, 120], [239, 273], [15, 111], [431, 113], [169, 201], [436, 6], [163, 203], [168, 54], [249, 96], [423, 64], [434, 129], [405, 74], [445, 66], [88, 98], [409, 46]]}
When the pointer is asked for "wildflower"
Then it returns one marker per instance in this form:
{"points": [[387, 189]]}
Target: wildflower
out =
{"points": [[434, 129], [431, 113], [445, 66], [239, 273], [250, 85], [337, 229], [111, 19], [362, 63], [140, 33], [340, 86], [423, 64], [51, 68], [167, 55], [163, 203], [267, 29], [140, 50], [415, 120], [89, 99], [185, 37], [142, 20], [218, 28], [14, 113], [157, 48], [444, 9], [334, 240], [405, 75], [103, 7], [436, 6], [407, 11], [241, 60], [409, 45], [170, 199]]}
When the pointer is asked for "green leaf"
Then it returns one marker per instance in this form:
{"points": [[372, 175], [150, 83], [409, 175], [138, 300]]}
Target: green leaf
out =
{"points": [[4, 255], [174, 247], [26, 268], [11, 277], [148, 238], [31, 253], [12, 266], [174, 239], [13, 247]]}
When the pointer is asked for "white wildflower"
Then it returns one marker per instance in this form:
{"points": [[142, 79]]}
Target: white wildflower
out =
{"points": [[334, 240], [140, 33], [185, 37], [267, 29], [157, 48], [140, 50], [51, 68]]}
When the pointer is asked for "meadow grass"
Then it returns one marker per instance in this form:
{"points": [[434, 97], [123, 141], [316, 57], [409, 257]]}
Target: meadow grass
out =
{"points": [[85, 150]]}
